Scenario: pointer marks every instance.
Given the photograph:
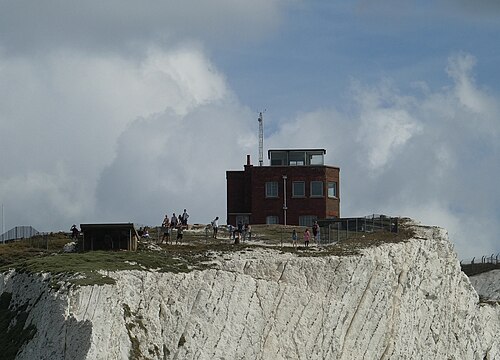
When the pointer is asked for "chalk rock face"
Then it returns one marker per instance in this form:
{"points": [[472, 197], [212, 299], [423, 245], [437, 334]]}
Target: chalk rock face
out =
{"points": [[405, 300], [487, 285]]}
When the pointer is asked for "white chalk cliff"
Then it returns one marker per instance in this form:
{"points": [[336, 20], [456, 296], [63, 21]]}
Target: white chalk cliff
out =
{"points": [[406, 300]]}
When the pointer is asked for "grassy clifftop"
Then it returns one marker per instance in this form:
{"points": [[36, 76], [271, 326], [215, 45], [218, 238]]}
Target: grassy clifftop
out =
{"points": [[45, 254]]}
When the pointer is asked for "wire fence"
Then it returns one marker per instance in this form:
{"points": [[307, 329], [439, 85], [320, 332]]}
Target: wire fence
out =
{"points": [[18, 232], [481, 264], [339, 229]]}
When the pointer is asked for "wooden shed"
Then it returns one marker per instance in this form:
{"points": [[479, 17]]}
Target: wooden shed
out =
{"points": [[114, 236]]}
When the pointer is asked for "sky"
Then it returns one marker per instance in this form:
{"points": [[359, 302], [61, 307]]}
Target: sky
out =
{"points": [[123, 111]]}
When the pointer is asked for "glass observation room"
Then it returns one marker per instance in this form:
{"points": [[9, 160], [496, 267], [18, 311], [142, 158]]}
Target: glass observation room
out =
{"points": [[297, 157]]}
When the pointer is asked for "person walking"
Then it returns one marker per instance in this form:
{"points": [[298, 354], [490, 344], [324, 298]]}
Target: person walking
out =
{"points": [[215, 227]]}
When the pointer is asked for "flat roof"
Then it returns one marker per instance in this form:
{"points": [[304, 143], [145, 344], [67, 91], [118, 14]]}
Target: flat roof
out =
{"points": [[295, 150], [108, 225]]}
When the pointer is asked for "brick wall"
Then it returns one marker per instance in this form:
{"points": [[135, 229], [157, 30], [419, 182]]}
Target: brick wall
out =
{"points": [[246, 193]]}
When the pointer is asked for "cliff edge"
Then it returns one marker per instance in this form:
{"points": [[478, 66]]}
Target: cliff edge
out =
{"points": [[397, 300]]}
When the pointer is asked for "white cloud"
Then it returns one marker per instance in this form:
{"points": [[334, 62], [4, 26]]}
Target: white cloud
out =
{"points": [[62, 120], [181, 163], [107, 137], [382, 133], [434, 154]]}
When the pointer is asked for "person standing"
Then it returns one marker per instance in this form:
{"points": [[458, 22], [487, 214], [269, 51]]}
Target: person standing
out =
{"points": [[165, 227], [315, 229], [307, 237], [245, 232], [74, 232], [240, 227], [215, 226], [173, 221], [294, 238], [185, 217], [178, 239]]}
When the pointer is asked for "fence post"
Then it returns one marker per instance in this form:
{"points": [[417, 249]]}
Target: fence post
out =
{"points": [[338, 230], [347, 230]]}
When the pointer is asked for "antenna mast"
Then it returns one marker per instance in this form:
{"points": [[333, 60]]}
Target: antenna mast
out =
{"points": [[261, 139], [3, 224]]}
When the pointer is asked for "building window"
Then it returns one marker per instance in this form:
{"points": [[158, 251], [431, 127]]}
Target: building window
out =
{"points": [[278, 157], [316, 188], [298, 189], [307, 220], [297, 158], [271, 189], [332, 189], [316, 159], [244, 219], [272, 220]]}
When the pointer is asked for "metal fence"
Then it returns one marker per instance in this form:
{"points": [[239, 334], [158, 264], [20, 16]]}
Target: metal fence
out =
{"points": [[19, 232], [338, 229], [478, 265]]}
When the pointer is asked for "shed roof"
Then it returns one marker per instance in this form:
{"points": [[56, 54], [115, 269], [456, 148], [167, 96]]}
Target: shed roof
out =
{"points": [[107, 226], [109, 236]]}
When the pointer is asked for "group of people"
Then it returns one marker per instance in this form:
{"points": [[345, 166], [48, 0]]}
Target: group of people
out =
{"points": [[175, 222], [307, 235], [240, 232]]}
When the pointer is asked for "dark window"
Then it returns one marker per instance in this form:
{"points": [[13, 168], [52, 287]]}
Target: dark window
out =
{"points": [[271, 189], [316, 188], [298, 189], [271, 220]]}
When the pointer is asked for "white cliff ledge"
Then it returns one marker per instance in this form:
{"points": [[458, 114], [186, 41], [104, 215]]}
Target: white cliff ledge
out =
{"points": [[405, 300]]}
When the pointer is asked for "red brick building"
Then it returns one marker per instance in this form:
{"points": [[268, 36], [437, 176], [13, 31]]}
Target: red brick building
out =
{"points": [[295, 189]]}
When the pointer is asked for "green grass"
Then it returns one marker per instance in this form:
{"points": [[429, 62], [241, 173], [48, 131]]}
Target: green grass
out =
{"points": [[45, 254]]}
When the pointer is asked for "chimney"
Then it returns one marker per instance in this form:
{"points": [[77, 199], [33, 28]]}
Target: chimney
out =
{"points": [[248, 160]]}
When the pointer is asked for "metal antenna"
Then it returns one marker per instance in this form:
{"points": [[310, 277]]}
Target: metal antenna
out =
{"points": [[261, 139], [3, 224]]}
